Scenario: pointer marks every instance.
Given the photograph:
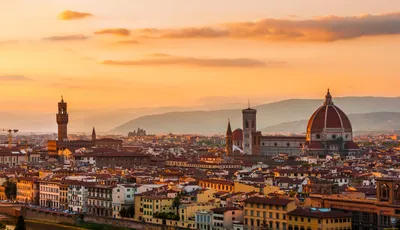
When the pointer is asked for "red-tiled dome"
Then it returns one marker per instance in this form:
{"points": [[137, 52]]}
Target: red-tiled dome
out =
{"points": [[237, 135], [328, 116]]}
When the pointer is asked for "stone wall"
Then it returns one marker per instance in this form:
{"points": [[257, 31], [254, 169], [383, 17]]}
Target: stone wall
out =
{"points": [[11, 209], [122, 223], [53, 217]]}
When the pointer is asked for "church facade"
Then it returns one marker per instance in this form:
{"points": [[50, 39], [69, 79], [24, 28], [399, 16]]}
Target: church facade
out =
{"points": [[252, 142], [329, 132]]}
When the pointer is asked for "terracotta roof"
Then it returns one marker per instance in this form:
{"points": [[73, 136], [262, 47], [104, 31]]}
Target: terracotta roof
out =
{"points": [[328, 116], [237, 135], [225, 209], [351, 145], [315, 145], [216, 181], [318, 214], [272, 201]]}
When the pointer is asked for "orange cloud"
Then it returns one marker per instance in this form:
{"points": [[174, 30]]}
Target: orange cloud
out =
{"points": [[323, 29], [114, 31], [76, 37], [73, 15], [165, 59]]}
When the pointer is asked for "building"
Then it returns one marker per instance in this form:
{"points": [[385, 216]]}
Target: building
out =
{"points": [[137, 133], [203, 220], [218, 185], [56, 147], [100, 200], [329, 131], [380, 213], [122, 198], [187, 212], [13, 157], [223, 218], [28, 190], [152, 204], [313, 218], [229, 140], [78, 195], [64, 196], [270, 213], [254, 143], [275, 145], [122, 159], [49, 194]]}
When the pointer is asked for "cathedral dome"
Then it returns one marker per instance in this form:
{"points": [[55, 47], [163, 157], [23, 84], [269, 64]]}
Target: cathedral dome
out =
{"points": [[329, 120], [238, 135]]}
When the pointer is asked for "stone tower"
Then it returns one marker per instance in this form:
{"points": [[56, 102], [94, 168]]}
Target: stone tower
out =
{"points": [[249, 126], [62, 120], [229, 140], [94, 136]]}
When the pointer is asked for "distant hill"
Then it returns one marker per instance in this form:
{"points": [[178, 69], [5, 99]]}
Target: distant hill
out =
{"points": [[269, 115], [379, 121]]}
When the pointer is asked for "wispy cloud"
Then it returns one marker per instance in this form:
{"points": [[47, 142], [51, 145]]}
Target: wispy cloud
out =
{"points": [[322, 29], [14, 78], [73, 15], [76, 37], [165, 59], [114, 31]]}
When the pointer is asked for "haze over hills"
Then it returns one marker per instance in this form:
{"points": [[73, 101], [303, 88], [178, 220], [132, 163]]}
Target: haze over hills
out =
{"points": [[282, 116], [84, 120], [379, 121], [270, 116]]}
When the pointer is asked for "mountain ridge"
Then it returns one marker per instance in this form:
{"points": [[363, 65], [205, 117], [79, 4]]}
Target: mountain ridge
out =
{"points": [[270, 114]]}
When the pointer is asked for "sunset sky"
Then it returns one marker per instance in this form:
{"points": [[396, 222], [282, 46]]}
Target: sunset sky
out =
{"points": [[134, 53]]}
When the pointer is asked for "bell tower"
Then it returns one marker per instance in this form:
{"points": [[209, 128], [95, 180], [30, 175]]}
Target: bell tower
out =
{"points": [[249, 126], [62, 120]]}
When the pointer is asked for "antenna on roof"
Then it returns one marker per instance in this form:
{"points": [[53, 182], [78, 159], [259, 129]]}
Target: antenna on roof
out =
{"points": [[248, 102]]}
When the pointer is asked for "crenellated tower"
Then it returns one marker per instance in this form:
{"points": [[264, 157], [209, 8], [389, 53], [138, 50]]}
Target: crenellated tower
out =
{"points": [[62, 120]]}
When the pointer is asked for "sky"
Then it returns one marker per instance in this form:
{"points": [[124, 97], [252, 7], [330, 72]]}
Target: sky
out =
{"points": [[148, 53]]}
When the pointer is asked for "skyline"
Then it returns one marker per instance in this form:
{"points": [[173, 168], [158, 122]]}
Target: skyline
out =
{"points": [[143, 54]]}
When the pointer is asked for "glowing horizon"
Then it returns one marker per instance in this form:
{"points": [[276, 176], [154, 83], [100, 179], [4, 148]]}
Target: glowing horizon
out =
{"points": [[174, 53]]}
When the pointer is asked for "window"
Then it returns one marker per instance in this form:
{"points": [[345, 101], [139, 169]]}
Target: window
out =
{"points": [[318, 136]]}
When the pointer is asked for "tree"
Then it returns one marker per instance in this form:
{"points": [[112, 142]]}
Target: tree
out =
{"points": [[20, 224], [176, 203], [131, 211], [10, 190], [123, 212]]}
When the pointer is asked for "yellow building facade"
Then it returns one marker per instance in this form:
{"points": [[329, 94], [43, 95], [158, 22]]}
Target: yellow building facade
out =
{"points": [[271, 213], [300, 219], [27, 190]]}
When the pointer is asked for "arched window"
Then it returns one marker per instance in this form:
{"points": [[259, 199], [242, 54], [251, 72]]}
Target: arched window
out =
{"points": [[246, 124], [397, 192], [384, 192]]}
